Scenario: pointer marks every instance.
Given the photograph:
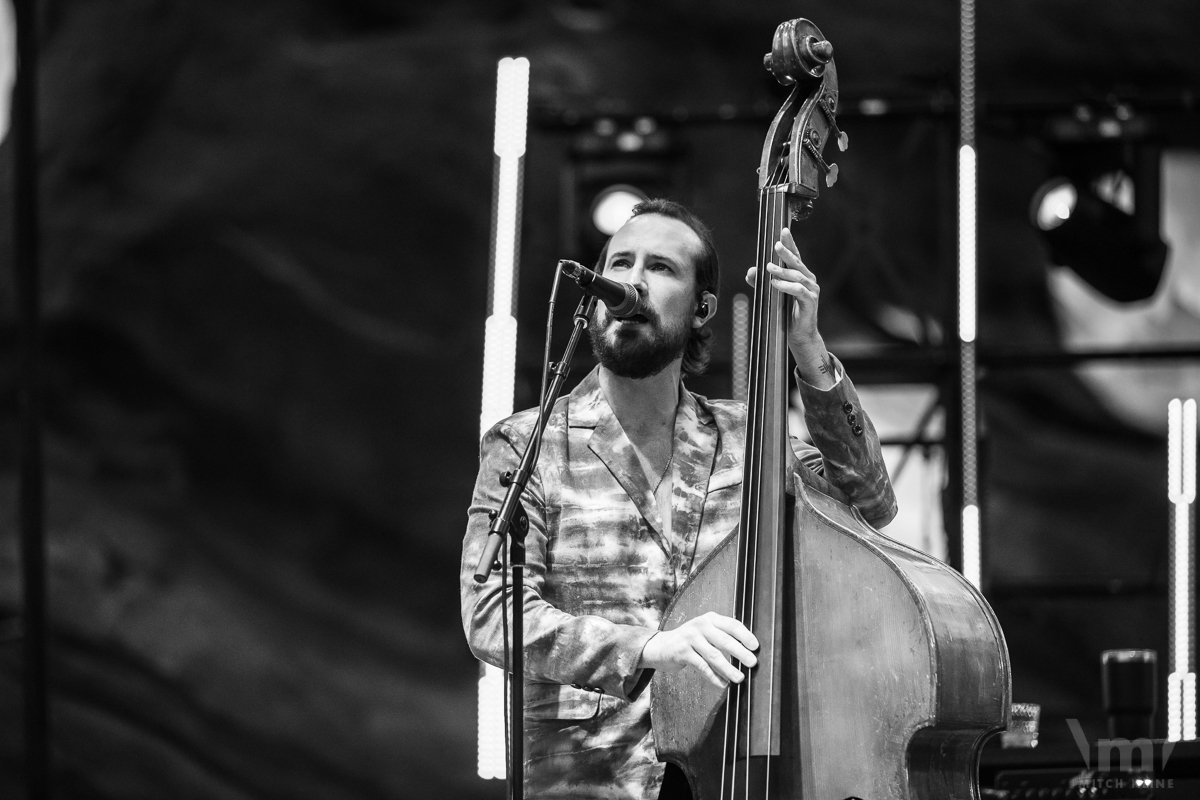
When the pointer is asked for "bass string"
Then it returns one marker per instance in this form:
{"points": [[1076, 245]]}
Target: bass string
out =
{"points": [[762, 290], [750, 460], [764, 409], [775, 322], [778, 318], [761, 411], [766, 348], [733, 702], [768, 385]]}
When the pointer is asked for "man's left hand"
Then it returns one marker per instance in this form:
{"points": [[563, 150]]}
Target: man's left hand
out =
{"points": [[792, 277]]}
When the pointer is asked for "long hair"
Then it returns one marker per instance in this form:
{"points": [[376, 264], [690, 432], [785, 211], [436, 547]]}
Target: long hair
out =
{"points": [[707, 271]]}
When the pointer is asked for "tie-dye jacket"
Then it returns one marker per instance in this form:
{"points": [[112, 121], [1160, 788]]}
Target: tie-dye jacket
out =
{"points": [[601, 570]]}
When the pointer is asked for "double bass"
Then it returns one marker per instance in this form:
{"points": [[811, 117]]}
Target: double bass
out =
{"points": [[881, 670]]}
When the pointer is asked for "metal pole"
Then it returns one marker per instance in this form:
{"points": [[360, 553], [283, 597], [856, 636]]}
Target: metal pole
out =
{"points": [[30, 492], [967, 299]]}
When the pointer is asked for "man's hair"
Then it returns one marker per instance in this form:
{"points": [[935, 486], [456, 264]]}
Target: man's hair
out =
{"points": [[707, 272]]}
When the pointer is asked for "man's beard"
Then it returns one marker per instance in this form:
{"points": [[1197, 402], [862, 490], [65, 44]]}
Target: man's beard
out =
{"points": [[641, 352]]}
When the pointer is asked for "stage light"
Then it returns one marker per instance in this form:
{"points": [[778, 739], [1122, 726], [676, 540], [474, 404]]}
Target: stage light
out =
{"points": [[491, 755], [644, 126], [972, 546], [1117, 189], [1181, 491], [1102, 244], [500, 342], [630, 141], [1053, 203], [512, 104], [605, 127], [613, 206], [872, 107], [1055, 200], [967, 218], [1099, 216], [613, 165], [499, 369]]}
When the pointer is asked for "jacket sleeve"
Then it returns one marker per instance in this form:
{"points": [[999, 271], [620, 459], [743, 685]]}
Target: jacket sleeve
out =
{"points": [[588, 652], [847, 456]]}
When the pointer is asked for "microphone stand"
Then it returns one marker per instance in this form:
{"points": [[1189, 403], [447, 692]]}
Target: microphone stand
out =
{"points": [[511, 520]]}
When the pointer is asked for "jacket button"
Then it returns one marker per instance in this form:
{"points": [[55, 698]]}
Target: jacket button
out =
{"points": [[576, 686], [858, 430], [848, 407], [852, 418]]}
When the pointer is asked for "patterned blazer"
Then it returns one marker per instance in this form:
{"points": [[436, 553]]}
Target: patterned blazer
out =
{"points": [[601, 570]]}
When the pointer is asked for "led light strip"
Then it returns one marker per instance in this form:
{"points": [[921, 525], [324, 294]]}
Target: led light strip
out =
{"points": [[972, 558], [500, 331], [1181, 491], [500, 340], [972, 545], [967, 244]]}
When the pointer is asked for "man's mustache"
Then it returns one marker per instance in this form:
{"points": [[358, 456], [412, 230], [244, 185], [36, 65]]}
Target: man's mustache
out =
{"points": [[647, 313]]}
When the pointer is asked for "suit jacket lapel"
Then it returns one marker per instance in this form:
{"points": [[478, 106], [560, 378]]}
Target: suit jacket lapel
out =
{"points": [[610, 444]]}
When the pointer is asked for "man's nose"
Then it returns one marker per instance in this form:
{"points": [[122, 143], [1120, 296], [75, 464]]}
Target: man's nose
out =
{"points": [[637, 278]]}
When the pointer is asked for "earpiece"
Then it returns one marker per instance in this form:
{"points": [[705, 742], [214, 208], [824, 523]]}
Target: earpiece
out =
{"points": [[702, 311]]}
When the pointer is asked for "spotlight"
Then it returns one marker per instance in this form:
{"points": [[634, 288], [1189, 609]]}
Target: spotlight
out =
{"points": [[612, 165], [1053, 203], [1091, 224], [613, 206], [1101, 215]]}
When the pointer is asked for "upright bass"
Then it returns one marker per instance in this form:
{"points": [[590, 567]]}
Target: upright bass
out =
{"points": [[881, 670]]}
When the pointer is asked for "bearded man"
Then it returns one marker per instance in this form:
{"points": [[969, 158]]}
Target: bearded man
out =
{"points": [[638, 480]]}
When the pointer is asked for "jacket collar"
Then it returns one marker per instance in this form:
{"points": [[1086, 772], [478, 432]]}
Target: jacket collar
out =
{"points": [[694, 453]]}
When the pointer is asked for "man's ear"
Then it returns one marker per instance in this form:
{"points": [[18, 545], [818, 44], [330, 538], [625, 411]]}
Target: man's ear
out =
{"points": [[706, 309]]}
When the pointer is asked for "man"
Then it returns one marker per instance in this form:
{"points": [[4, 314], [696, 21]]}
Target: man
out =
{"points": [[637, 481]]}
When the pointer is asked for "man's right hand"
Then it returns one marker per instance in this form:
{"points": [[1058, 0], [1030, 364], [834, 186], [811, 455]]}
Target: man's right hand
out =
{"points": [[705, 642]]}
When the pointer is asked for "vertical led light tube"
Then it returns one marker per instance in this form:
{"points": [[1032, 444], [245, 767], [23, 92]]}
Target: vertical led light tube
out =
{"points": [[741, 346], [500, 330], [500, 339], [972, 544], [967, 244], [1181, 491]]}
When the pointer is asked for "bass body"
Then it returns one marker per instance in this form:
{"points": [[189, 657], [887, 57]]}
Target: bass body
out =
{"points": [[894, 672]]}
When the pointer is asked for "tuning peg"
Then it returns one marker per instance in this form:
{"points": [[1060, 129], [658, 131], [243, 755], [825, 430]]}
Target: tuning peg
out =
{"points": [[843, 141], [830, 170], [822, 50]]}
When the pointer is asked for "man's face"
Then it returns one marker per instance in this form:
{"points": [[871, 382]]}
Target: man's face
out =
{"points": [[655, 254]]}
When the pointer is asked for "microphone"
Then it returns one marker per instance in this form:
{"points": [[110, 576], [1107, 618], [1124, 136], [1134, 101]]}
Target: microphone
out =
{"points": [[621, 299]]}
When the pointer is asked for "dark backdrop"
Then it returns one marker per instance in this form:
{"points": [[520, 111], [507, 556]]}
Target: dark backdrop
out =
{"points": [[264, 256]]}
